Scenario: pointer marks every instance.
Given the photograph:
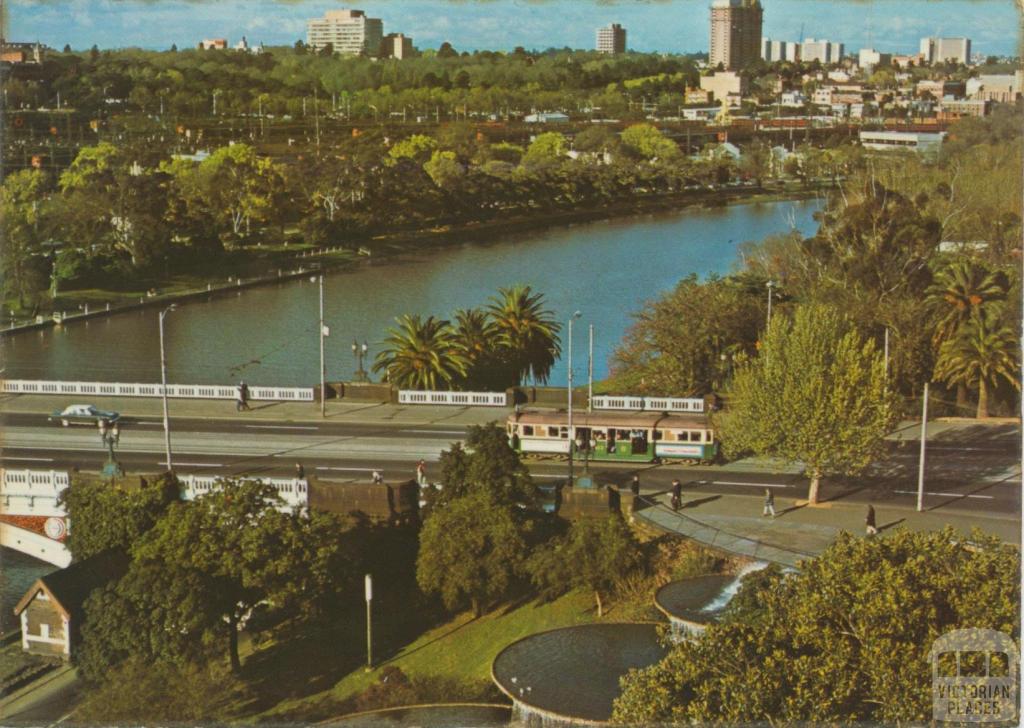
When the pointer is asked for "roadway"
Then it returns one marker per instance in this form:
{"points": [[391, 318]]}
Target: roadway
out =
{"points": [[975, 468]]}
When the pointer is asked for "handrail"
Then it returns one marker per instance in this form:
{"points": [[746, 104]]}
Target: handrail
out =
{"points": [[464, 399], [651, 404], [174, 391]]}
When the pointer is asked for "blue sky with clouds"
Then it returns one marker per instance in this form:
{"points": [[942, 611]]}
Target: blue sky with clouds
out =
{"points": [[653, 25]]}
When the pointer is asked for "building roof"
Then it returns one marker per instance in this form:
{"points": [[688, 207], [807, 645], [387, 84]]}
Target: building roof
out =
{"points": [[69, 588]]}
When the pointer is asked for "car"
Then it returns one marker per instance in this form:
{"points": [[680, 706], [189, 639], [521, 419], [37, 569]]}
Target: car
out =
{"points": [[84, 414]]}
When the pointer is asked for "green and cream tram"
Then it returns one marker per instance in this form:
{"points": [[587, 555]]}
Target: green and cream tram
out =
{"points": [[617, 436]]}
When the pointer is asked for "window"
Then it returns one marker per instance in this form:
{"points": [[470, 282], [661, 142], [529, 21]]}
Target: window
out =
{"points": [[658, 435], [552, 431], [527, 430]]}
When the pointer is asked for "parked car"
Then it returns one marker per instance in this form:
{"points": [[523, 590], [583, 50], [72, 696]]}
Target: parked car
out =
{"points": [[83, 414]]}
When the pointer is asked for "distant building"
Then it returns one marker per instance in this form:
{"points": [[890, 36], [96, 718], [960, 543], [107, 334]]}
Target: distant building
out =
{"points": [[17, 53], [920, 142], [611, 39], [939, 89], [940, 50], [697, 96], [868, 58], [211, 44], [546, 117], [792, 99], [735, 33], [780, 50], [243, 46], [823, 51], [52, 610], [1000, 89], [725, 85], [396, 45], [955, 108], [906, 61], [348, 32]]}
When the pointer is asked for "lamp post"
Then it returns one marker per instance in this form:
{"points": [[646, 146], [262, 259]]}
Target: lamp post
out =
{"points": [[359, 352], [163, 387], [110, 435], [569, 435], [770, 284], [323, 366]]}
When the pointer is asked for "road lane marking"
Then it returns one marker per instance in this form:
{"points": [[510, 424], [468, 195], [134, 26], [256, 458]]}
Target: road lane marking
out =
{"points": [[197, 465], [945, 495], [749, 485], [548, 475], [437, 432], [153, 424], [282, 427], [37, 460], [353, 470]]}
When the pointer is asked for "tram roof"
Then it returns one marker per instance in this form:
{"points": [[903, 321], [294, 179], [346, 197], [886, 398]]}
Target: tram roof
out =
{"points": [[612, 418]]}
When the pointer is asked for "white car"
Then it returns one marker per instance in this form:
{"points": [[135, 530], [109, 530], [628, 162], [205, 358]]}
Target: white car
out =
{"points": [[83, 414]]}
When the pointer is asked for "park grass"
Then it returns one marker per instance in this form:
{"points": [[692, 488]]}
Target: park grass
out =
{"points": [[460, 650]]}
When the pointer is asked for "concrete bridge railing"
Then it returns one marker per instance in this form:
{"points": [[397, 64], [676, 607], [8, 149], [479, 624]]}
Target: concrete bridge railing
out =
{"points": [[464, 399], [175, 391], [653, 404]]}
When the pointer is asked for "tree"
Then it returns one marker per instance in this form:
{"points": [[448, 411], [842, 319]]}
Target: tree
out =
{"points": [[527, 330], [546, 149], [416, 147], [816, 394], [983, 352], [22, 204], [106, 516], [470, 550], [488, 464], [199, 572], [486, 366], [826, 644], [649, 143], [444, 169], [960, 291], [421, 354], [596, 554], [724, 317]]}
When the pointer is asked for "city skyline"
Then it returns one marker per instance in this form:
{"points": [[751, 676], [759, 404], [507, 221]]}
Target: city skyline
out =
{"points": [[673, 27]]}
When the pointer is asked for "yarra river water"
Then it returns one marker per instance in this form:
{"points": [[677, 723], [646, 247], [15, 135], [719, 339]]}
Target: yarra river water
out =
{"points": [[607, 270], [267, 335]]}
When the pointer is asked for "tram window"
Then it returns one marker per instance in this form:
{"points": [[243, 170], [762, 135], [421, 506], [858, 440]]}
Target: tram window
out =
{"points": [[658, 435], [527, 430], [683, 435], [564, 433], [553, 432]]}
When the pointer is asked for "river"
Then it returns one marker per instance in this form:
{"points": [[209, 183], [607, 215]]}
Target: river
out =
{"points": [[267, 335]]}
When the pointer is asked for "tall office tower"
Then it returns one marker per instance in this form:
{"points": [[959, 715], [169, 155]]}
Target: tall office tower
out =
{"points": [[611, 39], [939, 50], [735, 33], [347, 31]]}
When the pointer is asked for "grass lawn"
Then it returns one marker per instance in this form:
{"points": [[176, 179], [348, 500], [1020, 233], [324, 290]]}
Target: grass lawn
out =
{"points": [[461, 649]]}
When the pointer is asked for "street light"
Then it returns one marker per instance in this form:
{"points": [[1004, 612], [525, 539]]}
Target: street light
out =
{"points": [[569, 433], [163, 388], [770, 284], [359, 352]]}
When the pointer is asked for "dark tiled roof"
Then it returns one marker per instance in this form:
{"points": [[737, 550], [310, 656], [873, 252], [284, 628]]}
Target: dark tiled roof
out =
{"points": [[70, 587]]}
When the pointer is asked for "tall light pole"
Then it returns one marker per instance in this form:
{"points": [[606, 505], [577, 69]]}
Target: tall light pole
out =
{"points": [[590, 372], [163, 388], [924, 437], [323, 365], [770, 284], [569, 433]]}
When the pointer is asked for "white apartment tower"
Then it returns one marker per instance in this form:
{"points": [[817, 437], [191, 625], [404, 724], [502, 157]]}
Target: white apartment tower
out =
{"points": [[735, 33], [940, 50], [349, 32], [611, 39]]}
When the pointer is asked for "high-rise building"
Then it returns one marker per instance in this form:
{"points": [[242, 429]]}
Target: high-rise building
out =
{"points": [[347, 31], [611, 39], [735, 33], [939, 50], [396, 45], [780, 50], [823, 51], [868, 58]]}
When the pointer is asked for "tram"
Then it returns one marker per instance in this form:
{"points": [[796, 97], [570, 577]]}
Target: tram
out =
{"points": [[615, 436]]}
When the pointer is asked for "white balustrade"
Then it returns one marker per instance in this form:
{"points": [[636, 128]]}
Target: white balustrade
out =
{"points": [[174, 391], [652, 404], [462, 399], [294, 492]]}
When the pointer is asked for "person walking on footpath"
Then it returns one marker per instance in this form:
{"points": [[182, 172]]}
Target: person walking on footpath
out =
{"points": [[377, 477], [677, 494], [239, 397], [421, 473], [300, 472], [634, 487], [245, 396], [869, 521], [769, 503]]}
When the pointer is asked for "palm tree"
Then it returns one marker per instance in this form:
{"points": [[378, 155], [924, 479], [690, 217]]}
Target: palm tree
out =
{"points": [[421, 354], [477, 337], [982, 352], [958, 292], [527, 331]]}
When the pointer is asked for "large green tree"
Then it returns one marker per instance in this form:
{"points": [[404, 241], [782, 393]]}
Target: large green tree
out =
{"points": [[471, 549], [527, 330], [487, 464], [844, 639], [23, 200], [983, 352], [815, 394], [595, 555]]}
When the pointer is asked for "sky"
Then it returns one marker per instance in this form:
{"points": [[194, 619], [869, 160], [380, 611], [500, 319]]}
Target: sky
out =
{"points": [[673, 26]]}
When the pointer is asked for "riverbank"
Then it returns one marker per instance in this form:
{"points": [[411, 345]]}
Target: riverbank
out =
{"points": [[272, 265]]}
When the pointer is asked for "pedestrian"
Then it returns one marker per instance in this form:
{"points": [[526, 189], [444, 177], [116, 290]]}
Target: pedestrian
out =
{"points": [[300, 472], [377, 477], [634, 487], [245, 396], [421, 473], [677, 494], [769, 503], [869, 521], [239, 398]]}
